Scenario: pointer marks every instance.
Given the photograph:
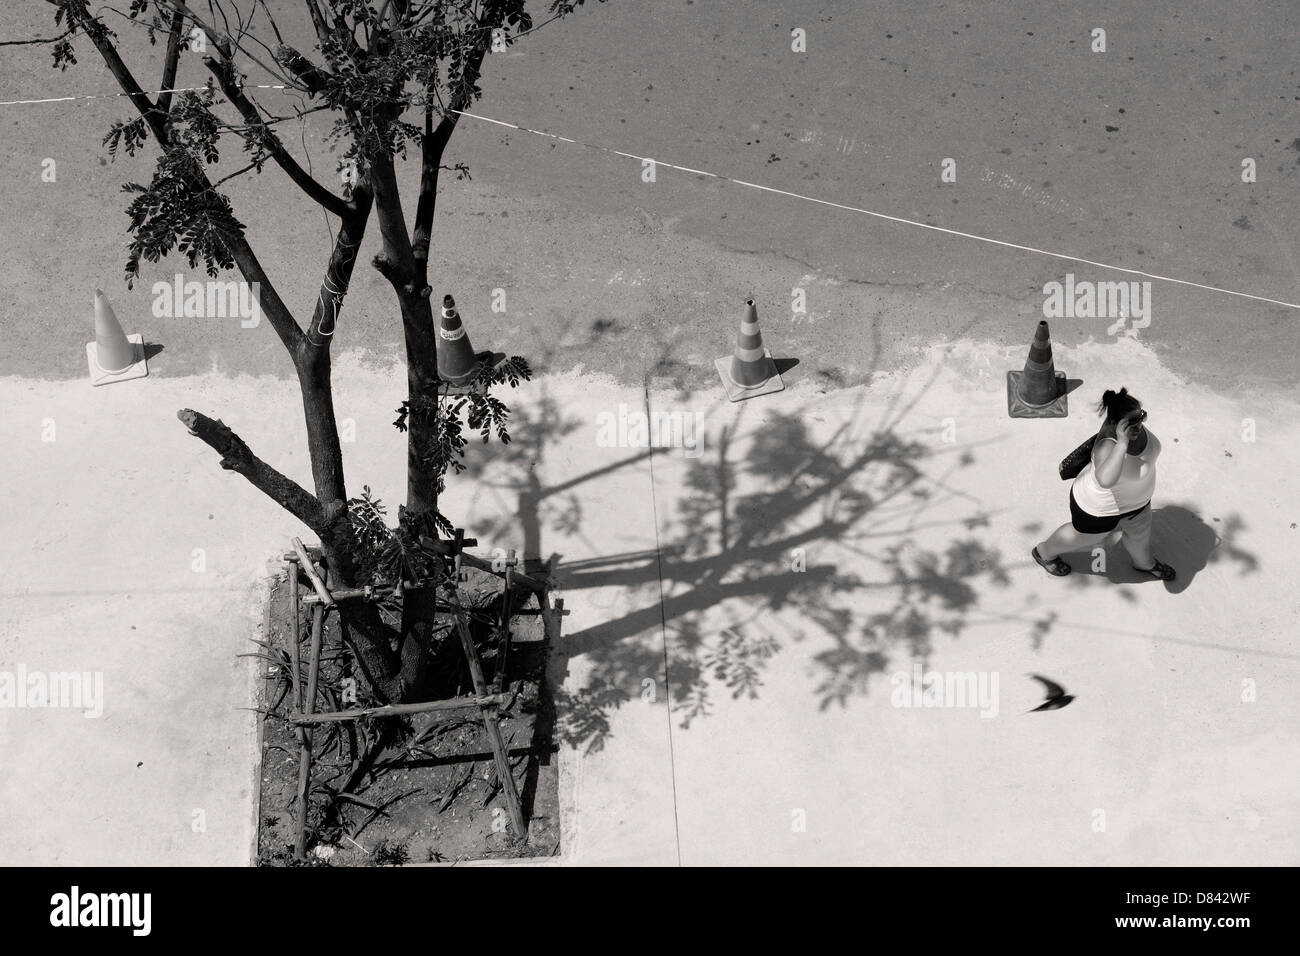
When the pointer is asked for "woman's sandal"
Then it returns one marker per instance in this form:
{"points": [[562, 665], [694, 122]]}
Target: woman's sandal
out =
{"points": [[1160, 570], [1055, 567]]}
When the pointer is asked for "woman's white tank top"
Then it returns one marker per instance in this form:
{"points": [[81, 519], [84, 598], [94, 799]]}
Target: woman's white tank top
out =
{"points": [[1136, 485]]}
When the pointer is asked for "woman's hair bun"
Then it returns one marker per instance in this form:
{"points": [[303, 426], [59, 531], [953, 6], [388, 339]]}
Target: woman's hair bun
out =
{"points": [[1115, 405]]}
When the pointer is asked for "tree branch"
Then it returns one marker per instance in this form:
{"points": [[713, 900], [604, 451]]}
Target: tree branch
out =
{"points": [[386, 268], [392, 225], [236, 173], [433, 143], [215, 34], [236, 456], [348, 40], [275, 27], [171, 63], [224, 71], [431, 150], [273, 306], [99, 35], [304, 71], [338, 274], [317, 22], [36, 40]]}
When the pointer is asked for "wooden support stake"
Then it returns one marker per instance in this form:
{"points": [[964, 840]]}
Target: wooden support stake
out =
{"points": [[315, 554], [503, 644], [448, 549], [368, 593], [392, 710], [301, 733], [294, 599], [490, 722], [445, 548], [321, 591], [527, 580], [304, 756]]}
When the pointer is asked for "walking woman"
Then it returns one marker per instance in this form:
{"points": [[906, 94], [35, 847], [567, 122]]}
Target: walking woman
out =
{"points": [[1113, 491]]}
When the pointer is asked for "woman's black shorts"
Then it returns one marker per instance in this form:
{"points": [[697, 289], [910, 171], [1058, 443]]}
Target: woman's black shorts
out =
{"points": [[1085, 523]]}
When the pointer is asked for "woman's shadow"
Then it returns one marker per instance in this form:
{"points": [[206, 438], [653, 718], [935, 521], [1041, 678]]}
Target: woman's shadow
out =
{"points": [[1179, 538]]}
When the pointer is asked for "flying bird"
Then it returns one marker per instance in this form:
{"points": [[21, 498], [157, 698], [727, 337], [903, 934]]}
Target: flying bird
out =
{"points": [[1056, 695]]}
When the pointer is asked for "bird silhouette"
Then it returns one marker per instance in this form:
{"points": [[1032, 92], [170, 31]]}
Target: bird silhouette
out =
{"points": [[1056, 695]]}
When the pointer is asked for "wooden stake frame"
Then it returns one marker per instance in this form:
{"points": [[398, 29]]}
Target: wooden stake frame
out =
{"points": [[487, 698]]}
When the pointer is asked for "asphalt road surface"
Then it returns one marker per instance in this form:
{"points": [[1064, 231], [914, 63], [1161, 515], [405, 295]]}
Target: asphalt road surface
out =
{"points": [[1130, 157]]}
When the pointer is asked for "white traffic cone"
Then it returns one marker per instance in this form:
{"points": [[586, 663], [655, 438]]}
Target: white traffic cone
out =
{"points": [[113, 356]]}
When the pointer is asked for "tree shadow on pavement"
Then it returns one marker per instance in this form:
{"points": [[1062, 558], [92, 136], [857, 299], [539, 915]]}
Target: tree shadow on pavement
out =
{"points": [[776, 537]]}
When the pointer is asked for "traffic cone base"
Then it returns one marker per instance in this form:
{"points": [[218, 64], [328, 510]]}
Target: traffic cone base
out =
{"points": [[456, 357], [737, 392], [139, 367], [462, 386], [1017, 407], [748, 371], [1038, 391]]}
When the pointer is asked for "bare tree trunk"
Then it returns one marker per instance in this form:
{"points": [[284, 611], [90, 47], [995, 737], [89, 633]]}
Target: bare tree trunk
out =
{"points": [[371, 638], [322, 433], [421, 481], [422, 389]]}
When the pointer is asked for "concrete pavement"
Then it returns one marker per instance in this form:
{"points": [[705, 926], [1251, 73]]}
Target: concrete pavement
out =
{"points": [[726, 696]]}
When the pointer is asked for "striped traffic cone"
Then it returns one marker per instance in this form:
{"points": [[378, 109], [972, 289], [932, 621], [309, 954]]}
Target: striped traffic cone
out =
{"points": [[1039, 391], [749, 371], [456, 357], [113, 356]]}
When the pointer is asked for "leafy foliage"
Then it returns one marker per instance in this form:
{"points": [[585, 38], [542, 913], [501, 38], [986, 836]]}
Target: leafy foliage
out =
{"points": [[194, 126], [375, 64], [388, 853], [258, 142], [129, 135], [64, 55], [474, 407], [77, 16], [178, 210], [383, 554], [386, 554], [431, 63]]}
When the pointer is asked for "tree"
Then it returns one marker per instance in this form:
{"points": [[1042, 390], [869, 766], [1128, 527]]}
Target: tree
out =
{"points": [[374, 64]]}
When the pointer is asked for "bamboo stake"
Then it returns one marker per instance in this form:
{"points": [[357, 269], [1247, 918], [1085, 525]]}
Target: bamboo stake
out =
{"points": [[314, 553], [451, 548], [321, 591], [304, 757], [294, 598], [490, 722], [527, 580], [392, 710], [448, 548], [369, 593], [503, 644]]}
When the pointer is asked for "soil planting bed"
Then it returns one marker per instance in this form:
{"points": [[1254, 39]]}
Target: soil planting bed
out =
{"points": [[431, 796]]}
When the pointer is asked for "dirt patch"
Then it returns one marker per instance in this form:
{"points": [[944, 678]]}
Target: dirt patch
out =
{"points": [[431, 794]]}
